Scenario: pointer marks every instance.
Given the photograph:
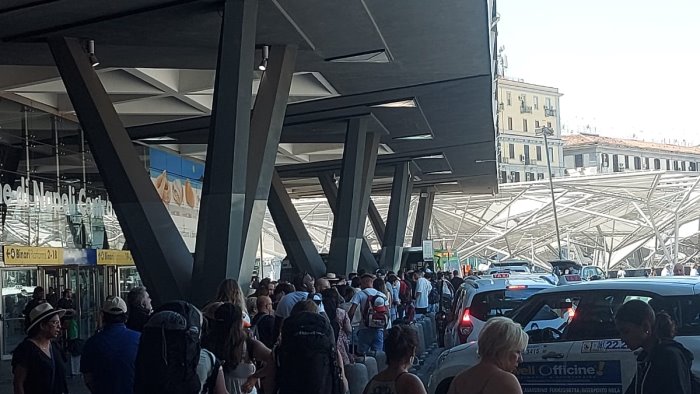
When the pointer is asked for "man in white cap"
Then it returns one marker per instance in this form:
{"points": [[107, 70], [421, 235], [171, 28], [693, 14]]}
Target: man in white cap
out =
{"points": [[109, 356]]}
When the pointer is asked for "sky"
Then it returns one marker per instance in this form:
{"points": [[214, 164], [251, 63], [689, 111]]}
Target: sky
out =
{"points": [[626, 68]]}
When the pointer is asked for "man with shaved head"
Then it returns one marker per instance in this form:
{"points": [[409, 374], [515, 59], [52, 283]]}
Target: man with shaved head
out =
{"points": [[263, 324]]}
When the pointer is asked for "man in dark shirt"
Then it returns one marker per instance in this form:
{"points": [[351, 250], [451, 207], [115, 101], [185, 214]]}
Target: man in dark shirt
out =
{"points": [[109, 357], [456, 280], [66, 302], [264, 322], [38, 297]]}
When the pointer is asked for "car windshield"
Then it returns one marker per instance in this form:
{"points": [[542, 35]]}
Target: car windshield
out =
{"points": [[500, 302]]}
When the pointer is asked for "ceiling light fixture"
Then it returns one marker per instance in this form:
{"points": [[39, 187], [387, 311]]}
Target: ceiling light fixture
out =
{"points": [[426, 136], [91, 53], [410, 103], [265, 56], [438, 156], [445, 172]]}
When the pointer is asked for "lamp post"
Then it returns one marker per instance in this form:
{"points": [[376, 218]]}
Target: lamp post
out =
{"points": [[545, 131]]}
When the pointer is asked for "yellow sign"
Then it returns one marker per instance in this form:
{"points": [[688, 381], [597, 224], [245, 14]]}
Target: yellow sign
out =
{"points": [[114, 257], [29, 255]]}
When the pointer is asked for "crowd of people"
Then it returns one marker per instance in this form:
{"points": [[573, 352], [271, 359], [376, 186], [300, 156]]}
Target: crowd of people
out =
{"points": [[295, 337]]}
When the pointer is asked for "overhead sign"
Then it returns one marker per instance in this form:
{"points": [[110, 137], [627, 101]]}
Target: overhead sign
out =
{"points": [[29, 255], [114, 257], [428, 250]]}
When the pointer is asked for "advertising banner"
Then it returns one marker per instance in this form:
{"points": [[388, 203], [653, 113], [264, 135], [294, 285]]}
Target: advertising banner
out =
{"points": [[571, 377], [179, 185]]}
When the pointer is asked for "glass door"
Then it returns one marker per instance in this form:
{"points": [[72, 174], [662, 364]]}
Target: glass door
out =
{"points": [[17, 289], [87, 301], [128, 279]]}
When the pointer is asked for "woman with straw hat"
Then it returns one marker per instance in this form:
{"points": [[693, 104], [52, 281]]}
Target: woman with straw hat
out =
{"points": [[37, 364]]}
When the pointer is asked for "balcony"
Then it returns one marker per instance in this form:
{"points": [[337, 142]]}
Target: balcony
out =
{"points": [[525, 109], [549, 111]]}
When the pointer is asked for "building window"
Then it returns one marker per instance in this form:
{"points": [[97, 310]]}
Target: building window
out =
{"points": [[578, 161], [668, 164], [657, 164], [683, 165], [540, 176], [538, 152], [551, 154], [504, 177], [637, 163], [525, 125], [549, 124], [605, 160], [692, 166], [510, 123], [511, 151], [616, 163], [547, 102], [526, 154], [675, 165], [627, 162], [515, 176], [509, 100], [529, 176], [537, 124], [646, 163], [536, 102]]}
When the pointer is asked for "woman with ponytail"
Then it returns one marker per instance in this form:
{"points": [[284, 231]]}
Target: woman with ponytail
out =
{"points": [[664, 364]]}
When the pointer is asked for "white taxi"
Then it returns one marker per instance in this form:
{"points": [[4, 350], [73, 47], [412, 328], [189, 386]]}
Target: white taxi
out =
{"points": [[574, 346], [479, 299]]}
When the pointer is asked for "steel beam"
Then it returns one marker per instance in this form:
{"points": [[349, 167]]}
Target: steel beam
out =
{"points": [[160, 253], [222, 227], [367, 260], [265, 130], [423, 216], [397, 218], [301, 251], [377, 222], [359, 159]]}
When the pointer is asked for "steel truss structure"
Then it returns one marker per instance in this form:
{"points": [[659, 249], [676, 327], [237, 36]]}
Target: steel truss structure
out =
{"points": [[626, 220]]}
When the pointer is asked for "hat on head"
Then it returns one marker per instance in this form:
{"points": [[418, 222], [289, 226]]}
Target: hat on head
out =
{"points": [[114, 306], [42, 312], [331, 277]]}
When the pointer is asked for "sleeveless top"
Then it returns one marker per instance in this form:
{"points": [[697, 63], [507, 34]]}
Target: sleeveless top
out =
{"points": [[384, 387]]}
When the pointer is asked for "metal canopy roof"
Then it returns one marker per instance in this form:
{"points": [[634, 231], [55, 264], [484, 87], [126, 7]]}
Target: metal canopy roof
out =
{"points": [[609, 220], [157, 58]]}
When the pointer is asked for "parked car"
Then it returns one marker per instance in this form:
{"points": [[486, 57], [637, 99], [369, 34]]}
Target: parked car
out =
{"points": [[573, 341], [479, 299]]}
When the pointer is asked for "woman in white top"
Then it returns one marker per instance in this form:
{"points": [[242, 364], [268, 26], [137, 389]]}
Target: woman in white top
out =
{"points": [[501, 344], [400, 345]]}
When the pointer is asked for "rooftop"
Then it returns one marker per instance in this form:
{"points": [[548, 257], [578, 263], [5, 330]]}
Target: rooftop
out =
{"points": [[592, 139]]}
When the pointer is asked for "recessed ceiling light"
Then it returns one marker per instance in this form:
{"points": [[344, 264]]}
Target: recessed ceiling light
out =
{"points": [[159, 139], [445, 172], [398, 104], [427, 136], [439, 156], [377, 56]]}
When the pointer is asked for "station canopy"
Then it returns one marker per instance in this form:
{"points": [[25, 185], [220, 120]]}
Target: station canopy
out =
{"points": [[621, 220]]}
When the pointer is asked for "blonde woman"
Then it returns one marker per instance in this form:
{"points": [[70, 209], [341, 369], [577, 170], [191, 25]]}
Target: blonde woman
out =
{"points": [[501, 344], [230, 291]]}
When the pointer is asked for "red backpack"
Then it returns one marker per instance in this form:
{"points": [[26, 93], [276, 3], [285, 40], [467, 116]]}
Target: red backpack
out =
{"points": [[376, 316], [405, 292]]}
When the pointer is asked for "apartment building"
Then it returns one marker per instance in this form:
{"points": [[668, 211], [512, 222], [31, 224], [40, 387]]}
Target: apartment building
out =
{"points": [[524, 109], [588, 154]]}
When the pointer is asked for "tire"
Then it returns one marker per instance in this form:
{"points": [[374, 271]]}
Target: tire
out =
{"points": [[443, 386]]}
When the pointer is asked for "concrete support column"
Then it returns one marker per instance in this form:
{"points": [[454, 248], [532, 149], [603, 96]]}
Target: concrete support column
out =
{"points": [[423, 217], [222, 227], [397, 218], [160, 253], [301, 251], [357, 173]]}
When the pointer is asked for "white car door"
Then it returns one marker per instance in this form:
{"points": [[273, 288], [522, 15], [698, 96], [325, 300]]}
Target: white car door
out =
{"points": [[545, 359]]}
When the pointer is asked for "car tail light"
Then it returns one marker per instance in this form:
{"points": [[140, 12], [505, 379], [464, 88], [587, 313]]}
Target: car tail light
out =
{"points": [[465, 326]]}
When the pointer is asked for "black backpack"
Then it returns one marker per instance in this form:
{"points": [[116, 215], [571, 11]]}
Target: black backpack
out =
{"points": [[307, 359], [169, 351], [434, 295]]}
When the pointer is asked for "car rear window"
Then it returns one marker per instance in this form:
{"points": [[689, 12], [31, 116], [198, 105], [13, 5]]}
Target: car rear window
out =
{"points": [[497, 303]]}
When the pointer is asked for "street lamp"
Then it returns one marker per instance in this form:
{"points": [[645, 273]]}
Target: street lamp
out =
{"points": [[545, 131]]}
